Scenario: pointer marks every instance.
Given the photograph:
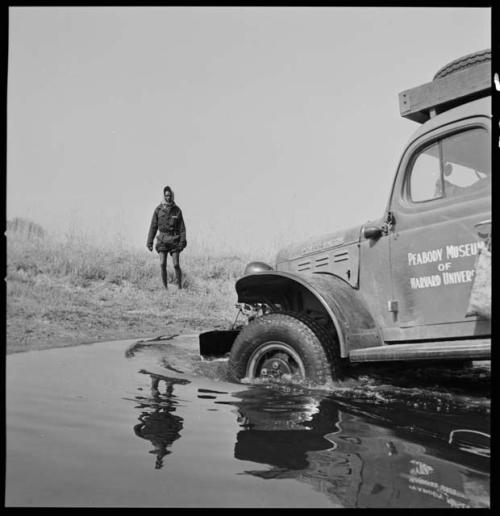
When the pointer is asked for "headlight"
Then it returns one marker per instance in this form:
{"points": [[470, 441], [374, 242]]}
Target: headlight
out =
{"points": [[254, 267]]}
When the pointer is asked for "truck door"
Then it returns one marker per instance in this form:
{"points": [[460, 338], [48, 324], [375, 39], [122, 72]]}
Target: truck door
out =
{"points": [[442, 191]]}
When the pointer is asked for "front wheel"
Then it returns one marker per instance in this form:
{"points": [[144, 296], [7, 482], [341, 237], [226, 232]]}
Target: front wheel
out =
{"points": [[283, 346]]}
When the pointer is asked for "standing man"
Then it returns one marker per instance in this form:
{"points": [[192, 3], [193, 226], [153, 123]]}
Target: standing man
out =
{"points": [[167, 220]]}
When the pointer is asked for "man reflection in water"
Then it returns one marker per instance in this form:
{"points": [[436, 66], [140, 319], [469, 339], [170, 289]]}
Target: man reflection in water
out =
{"points": [[160, 426]]}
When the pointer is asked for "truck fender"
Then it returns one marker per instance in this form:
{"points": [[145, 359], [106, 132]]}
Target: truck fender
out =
{"points": [[353, 323]]}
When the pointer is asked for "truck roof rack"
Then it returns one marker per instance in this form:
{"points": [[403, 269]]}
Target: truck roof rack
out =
{"points": [[461, 84]]}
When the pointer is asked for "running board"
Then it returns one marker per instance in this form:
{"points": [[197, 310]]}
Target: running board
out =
{"points": [[473, 349]]}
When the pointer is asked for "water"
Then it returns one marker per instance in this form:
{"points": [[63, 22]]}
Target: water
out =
{"points": [[154, 425]]}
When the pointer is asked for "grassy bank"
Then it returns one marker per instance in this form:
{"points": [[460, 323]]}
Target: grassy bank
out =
{"points": [[67, 291]]}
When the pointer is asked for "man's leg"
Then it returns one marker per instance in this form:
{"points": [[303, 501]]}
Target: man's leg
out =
{"points": [[163, 268], [177, 268], [155, 392]]}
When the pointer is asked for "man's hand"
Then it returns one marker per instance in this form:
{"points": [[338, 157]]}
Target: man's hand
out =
{"points": [[149, 246]]}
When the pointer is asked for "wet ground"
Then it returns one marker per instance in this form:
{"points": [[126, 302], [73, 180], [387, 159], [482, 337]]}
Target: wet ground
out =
{"points": [[151, 424]]}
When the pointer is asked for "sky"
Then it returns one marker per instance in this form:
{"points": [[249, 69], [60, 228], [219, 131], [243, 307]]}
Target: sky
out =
{"points": [[271, 125]]}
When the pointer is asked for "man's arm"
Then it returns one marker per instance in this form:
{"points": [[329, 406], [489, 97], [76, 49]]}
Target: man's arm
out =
{"points": [[153, 228], [182, 232]]}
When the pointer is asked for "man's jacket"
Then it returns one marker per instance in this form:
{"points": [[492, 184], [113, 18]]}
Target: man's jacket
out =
{"points": [[167, 220]]}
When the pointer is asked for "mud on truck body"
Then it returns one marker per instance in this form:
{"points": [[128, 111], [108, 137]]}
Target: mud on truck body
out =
{"points": [[397, 288]]}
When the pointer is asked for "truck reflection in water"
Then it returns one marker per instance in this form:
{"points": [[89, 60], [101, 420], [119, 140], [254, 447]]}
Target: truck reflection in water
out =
{"points": [[158, 422], [359, 457]]}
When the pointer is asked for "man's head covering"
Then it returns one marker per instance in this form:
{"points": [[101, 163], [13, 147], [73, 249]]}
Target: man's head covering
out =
{"points": [[167, 188]]}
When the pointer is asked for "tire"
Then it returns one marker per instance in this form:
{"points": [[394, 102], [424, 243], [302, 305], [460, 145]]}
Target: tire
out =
{"points": [[284, 346], [464, 62]]}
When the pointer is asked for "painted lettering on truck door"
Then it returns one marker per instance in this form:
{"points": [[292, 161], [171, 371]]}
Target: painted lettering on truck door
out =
{"points": [[443, 189]]}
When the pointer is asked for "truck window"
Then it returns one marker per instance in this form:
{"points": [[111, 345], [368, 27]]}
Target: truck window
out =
{"points": [[454, 166], [425, 179], [466, 162]]}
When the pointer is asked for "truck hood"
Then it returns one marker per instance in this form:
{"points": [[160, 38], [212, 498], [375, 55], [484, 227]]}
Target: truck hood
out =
{"points": [[316, 244]]}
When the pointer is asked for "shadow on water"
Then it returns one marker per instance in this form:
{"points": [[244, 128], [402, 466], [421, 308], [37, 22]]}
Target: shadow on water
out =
{"points": [[86, 429], [354, 448], [401, 435], [361, 456]]}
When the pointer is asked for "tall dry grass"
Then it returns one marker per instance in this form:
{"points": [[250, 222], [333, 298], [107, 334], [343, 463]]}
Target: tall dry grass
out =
{"points": [[66, 290]]}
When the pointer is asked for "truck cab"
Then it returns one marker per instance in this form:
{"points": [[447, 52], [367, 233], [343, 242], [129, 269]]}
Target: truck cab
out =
{"points": [[420, 270]]}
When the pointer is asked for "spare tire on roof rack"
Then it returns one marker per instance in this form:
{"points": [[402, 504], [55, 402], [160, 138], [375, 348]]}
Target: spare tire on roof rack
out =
{"points": [[460, 81], [463, 62]]}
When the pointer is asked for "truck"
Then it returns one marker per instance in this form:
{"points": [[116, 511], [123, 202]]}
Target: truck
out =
{"points": [[398, 288]]}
